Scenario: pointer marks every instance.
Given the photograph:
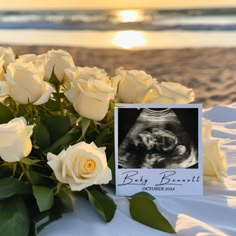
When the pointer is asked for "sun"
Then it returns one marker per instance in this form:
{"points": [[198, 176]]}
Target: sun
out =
{"points": [[127, 16]]}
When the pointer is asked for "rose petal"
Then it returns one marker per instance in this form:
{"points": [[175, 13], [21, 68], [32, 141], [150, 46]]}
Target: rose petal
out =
{"points": [[71, 95], [4, 91], [180, 93], [16, 150], [106, 177], [91, 108], [206, 129], [55, 164], [214, 160], [46, 93]]}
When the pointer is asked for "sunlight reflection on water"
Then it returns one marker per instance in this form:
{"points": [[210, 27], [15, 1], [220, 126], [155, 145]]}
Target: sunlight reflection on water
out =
{"points": [[129, 39]]}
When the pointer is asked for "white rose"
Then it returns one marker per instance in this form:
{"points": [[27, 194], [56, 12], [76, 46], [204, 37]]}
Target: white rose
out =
{"points": [[26, 84], [58, 60], [172, 93], [91, 98], [15, 140], [35, 59], [86, 73], [134, 86], [8, 56], [81, 166], [214, 159]]}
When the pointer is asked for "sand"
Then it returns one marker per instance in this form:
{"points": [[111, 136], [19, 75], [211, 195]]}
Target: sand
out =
{"points": [[211, 72]]}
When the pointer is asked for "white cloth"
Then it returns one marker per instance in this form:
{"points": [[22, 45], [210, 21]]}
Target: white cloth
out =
{"points": [[213, 214]]}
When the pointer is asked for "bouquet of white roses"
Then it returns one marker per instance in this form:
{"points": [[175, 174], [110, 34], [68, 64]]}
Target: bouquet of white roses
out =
{"points": [[57, 138]]}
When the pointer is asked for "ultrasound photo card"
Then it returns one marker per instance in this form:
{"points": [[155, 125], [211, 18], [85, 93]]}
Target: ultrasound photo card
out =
{"points": [[158, 149]]}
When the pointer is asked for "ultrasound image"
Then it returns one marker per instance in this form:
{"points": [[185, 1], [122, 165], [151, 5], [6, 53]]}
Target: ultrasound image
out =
{"points": [[158, 138]]}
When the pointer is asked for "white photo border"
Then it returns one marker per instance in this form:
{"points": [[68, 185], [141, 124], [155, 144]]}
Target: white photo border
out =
{"points": [[187, 181]]}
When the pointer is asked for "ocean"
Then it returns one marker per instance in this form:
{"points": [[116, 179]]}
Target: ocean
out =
{"points": [[128, 29]]}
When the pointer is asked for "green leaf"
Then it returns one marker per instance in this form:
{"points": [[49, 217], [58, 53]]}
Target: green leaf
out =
{"points": [[53, 105], [57, 126], [64, 141], [111, 164], [144, 194], [65, 199], [44, 197], [53, 79], [145, 211], [14, 217], [38, 178], [84, 125], [28, 161], [5, 114], [12, 186], [105, 136], [96, 187], [41, 135], [104, 205]]}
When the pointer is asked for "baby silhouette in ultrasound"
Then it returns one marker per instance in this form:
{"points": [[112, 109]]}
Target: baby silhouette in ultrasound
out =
{"points": [[162, 145], [159, 148]]}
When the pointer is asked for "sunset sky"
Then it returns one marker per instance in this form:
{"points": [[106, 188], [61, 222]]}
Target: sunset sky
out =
{"points": [[72, 4]]}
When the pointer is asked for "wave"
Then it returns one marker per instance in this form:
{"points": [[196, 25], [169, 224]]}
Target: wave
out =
{"points": [[102, 20]]}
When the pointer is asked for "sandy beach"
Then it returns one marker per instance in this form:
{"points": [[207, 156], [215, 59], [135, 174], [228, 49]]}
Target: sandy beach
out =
{"points": [[211, 72]]}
